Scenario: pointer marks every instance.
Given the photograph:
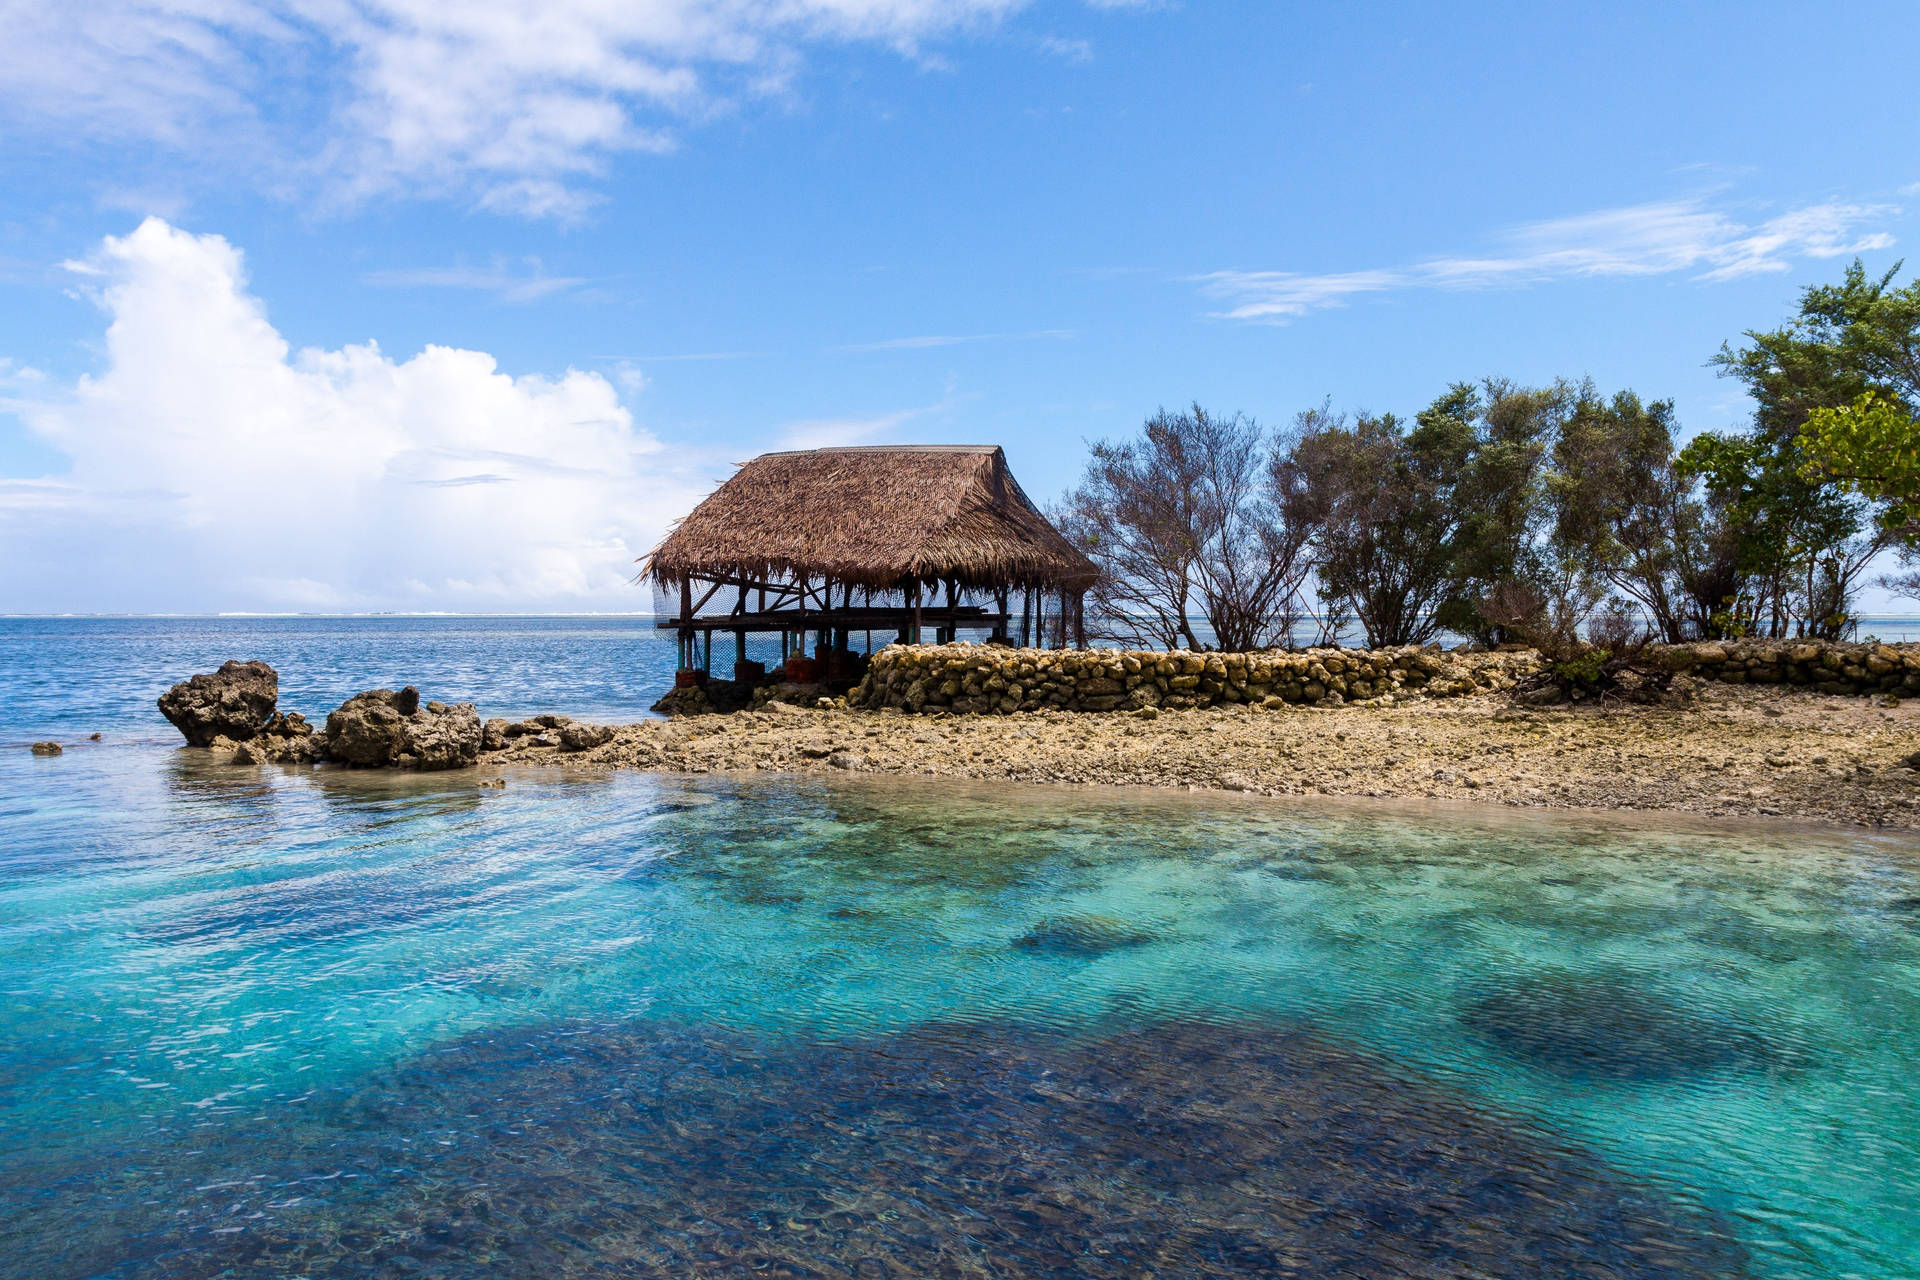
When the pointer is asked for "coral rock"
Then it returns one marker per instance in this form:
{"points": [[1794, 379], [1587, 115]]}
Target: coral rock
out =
{"points": [[381, 728], [232, 702]]}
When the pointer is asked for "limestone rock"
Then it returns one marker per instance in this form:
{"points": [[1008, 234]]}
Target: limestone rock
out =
{"points": [[232, 702], [47, 749], [691, 700], [585, 737], [287, 738], [494, 735], [385, 729]]}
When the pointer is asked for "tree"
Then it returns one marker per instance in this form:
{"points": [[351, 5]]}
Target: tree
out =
{"points": [[1378, 500], [1500, 435], [1805, 538], [1183, 518], [1623, 512], [1872, 447]]}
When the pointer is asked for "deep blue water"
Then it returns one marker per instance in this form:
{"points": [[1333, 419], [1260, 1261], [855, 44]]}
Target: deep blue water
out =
{"points": [[318, 1022], [68, 677]]}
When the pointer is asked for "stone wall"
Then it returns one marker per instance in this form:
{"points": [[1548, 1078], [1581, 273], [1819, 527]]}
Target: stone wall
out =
{"points": [[981, 679], [1814, 664]]}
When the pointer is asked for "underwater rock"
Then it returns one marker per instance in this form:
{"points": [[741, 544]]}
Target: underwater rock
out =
{"points": [[1088, 935], [47, 749], [232, 702], [381, 728], [1586, 1027], [1182, 1149]]}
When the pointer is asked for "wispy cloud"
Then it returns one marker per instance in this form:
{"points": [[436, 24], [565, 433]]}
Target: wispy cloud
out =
{"points": [[499, 279], [518, 108], [1662, 238], [953, 340], [688, 355], [1077, 52], [825, 433], [23, 374]]}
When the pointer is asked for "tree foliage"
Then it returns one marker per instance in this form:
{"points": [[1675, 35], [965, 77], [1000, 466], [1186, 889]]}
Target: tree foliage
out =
{"points": [[1539, 513], [1184, 517], [1804, 540]]}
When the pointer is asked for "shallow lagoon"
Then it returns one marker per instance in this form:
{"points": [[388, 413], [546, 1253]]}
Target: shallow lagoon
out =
{"points": [[347, 1024]]}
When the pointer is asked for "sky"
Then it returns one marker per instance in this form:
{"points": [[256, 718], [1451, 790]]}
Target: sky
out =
{"points": [[339, 305]]}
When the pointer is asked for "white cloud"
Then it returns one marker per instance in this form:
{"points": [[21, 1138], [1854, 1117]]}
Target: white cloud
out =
{"points": [[499, 279], [1078, 52], [1640, 240], [215, 468], [926, 341], [512, 103]]}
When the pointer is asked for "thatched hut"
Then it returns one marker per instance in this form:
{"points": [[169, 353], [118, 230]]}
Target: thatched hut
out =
{"points": [[878, 539]]}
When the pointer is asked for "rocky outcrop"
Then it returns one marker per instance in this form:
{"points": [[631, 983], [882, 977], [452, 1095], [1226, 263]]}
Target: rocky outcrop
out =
{"points": [[385, 729], [233, 702], [287, 738], [47, 748]]}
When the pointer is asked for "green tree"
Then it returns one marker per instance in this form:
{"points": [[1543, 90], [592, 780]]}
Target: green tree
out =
{"points": [[1497, 437], [1379, 501], [1626, 516], [1805, 538]]}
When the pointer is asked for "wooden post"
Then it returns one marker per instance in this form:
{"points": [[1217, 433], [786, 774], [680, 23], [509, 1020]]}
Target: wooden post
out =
{"points": [[915, 588], [1026, 617], [1079, 620], [685, 631]]}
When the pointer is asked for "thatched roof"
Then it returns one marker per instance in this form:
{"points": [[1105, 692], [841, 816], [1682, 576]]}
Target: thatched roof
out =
{"points": [[874, 516]]}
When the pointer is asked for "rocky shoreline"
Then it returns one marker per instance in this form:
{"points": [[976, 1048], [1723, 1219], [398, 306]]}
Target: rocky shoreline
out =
{"points": [[1748, 752], [1740, 747]]}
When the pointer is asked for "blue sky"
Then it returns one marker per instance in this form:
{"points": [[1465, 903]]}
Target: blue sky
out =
{"points": [[339, 304]]}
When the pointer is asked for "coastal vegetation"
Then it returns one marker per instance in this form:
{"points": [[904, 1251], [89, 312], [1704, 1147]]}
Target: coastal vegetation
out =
{"points": [[1558, 516]]}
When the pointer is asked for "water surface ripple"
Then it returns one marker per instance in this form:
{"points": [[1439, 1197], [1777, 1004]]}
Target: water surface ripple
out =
{"points": [[340, 1024]]}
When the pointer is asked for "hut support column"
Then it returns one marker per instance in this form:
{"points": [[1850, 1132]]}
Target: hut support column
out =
{"points": [[686, 616], [916, 612]]}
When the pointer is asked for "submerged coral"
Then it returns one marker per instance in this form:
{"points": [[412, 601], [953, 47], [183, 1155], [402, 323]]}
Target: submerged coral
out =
{"points": [[1188, 1149]]}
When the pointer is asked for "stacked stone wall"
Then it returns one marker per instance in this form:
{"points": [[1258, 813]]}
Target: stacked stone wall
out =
{"points": [[985, 680], [982, 679], [1825, 666]]}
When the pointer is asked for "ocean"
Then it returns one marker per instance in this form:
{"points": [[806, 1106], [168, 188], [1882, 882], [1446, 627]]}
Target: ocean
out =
{"points": [[283, 1021]]}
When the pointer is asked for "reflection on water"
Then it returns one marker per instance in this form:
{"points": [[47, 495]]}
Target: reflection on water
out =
{"points": [[287, 1022]]}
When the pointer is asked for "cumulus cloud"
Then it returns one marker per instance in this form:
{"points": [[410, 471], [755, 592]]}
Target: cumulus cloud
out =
{"points": [[1666, 237], [213, 467], [513, 103]]}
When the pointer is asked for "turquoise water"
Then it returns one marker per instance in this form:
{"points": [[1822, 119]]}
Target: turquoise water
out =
{"points": [[328, 1023]]}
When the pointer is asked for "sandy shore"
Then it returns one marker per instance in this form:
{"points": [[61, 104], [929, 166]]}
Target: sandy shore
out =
{"points": [[1737, 751]]}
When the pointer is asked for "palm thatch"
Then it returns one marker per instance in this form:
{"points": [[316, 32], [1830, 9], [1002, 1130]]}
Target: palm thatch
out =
{"points": [[876, 517]]}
